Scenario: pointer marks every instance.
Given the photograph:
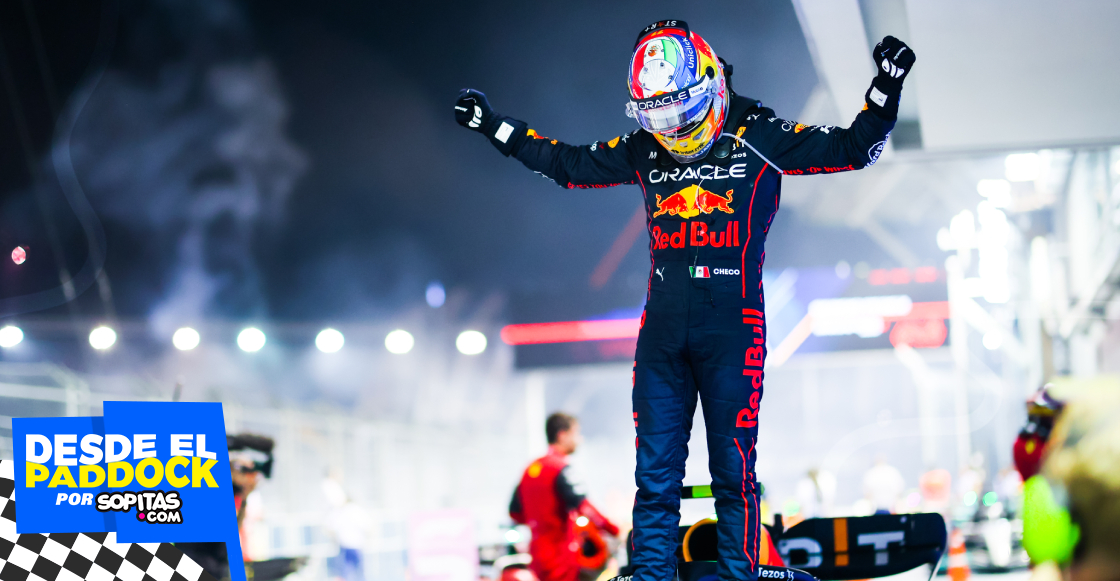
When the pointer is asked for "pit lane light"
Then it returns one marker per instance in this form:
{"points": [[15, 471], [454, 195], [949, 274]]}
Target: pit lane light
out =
{"points": [[185, 339], [991, 246], [251, 339], [329, 340], [998, 192], [399, 342], [862, 316], [470, 342], [435, 295], [102, 338], [1023, 167], [10, 336], [990, 242], [960, 235]]}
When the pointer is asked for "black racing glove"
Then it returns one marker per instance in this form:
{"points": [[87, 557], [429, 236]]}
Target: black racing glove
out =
{"points": [[473, 111], [893, 61]]}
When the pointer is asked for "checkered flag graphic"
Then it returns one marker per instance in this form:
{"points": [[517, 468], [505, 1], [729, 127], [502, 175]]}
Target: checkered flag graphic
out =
{"points": [[74, 556]]}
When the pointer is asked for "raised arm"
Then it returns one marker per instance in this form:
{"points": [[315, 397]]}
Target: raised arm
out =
{"points": [[798, 149], [598, 165]]}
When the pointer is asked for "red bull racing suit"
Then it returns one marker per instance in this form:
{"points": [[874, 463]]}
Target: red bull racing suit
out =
{"points": [[704, 327]]}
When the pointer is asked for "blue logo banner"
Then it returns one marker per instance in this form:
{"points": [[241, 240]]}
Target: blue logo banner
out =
{"points": [[149, 471], [60, 486]]}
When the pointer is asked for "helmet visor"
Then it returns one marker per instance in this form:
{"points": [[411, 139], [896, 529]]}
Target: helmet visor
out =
{"points": [[673, 110]]}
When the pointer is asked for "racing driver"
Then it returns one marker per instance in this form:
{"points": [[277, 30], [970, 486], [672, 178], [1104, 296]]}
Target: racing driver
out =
{"points": [[710, 164]]}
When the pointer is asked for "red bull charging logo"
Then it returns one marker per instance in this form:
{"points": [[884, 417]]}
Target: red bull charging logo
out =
{"points": [[692, 201]]}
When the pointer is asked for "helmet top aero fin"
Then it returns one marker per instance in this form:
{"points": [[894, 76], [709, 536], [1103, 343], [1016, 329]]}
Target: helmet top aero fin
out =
{"points": [[659, 25]]}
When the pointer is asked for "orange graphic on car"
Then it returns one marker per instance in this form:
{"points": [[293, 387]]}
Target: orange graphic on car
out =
{"points": [[692, 201]]}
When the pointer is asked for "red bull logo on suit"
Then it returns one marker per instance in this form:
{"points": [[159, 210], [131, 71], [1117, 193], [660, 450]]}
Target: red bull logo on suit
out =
{"points": [[693, 201], [697, 235], [688, 203]]}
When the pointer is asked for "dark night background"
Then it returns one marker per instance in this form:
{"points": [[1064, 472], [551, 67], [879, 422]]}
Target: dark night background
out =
{"points": [[345, 186]]}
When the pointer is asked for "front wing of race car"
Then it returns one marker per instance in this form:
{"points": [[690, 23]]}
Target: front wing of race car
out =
{"points": [[864, 547], [833, 549]]}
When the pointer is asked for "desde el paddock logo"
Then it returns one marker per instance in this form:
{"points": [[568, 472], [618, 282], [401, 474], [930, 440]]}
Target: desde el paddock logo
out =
{"points": [[189, 466], [153, 472]]}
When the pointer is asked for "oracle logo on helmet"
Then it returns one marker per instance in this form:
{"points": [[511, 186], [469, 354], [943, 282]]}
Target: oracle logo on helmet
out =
{"points": [[662, 100]]}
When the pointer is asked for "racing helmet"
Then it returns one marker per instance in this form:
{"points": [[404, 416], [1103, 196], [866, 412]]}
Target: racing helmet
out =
{"points": [[678, 91], [1043, 403]]}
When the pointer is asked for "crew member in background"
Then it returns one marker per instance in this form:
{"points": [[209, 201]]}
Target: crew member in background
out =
{"points": [[816, 493], [250, 457], [548, 501], [347, 523], [883, 486]]}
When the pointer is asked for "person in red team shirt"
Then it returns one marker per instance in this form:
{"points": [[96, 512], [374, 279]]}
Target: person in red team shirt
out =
{"points": [[548, 501]]}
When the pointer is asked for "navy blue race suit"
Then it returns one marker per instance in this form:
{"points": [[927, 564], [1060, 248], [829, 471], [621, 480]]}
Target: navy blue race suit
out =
{"points": [[704, 329]]}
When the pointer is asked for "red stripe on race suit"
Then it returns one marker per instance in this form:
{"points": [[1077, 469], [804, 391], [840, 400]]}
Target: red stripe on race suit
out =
{"points": [[750, 213], [746, 506], [757, 517], [649, 228]]}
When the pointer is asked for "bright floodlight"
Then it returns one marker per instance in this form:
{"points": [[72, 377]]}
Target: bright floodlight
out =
{"points": [[10, 336], [512, 536], [250, 339], [992, 340], [1022, 167], [185, 339], [470, 343], [329, 340], [962, 230], [998, 192], [102, 338], [399, 341], [435, 295]]}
